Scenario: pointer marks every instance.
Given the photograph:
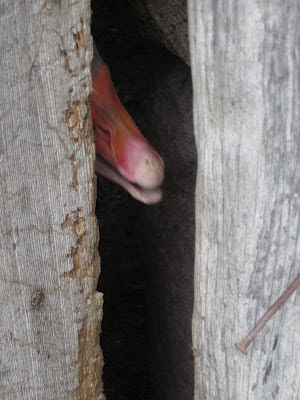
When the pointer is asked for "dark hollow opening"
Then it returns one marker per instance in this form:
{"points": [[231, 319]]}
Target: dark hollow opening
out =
{"points": [[147, 252]]}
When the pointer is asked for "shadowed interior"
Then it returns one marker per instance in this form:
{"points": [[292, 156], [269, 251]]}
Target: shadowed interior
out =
{"points": [[147, 253]]}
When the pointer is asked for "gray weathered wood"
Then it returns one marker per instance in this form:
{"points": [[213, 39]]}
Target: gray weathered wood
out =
{"points": [[48, 243], [245, 68]]}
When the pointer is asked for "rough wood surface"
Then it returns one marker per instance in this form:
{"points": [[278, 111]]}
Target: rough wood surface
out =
{"points": [[50, 312], [245, 68]]}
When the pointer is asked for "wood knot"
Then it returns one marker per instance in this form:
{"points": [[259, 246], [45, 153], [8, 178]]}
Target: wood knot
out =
{"points": [[37, 298]]}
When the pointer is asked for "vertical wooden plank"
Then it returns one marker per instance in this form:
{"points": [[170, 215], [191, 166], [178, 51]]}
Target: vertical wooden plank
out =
{"points": [[50, 312], [245, 67]]}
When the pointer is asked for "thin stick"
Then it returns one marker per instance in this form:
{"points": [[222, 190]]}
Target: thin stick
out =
{"points": [[268, 314]]}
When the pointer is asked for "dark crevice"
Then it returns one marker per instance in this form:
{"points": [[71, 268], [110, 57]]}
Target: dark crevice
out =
{"points": [[147, 252]]}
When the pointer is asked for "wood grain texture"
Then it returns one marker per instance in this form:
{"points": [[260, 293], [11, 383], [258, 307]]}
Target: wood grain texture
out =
{"points": [[50, 312], [245, 68]]}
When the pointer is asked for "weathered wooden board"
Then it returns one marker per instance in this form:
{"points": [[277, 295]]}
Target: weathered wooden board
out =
{"points": [[49, 347], [245, 68]]}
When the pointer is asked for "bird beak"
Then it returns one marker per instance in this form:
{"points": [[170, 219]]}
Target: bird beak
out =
{"points": [[129, 160]]}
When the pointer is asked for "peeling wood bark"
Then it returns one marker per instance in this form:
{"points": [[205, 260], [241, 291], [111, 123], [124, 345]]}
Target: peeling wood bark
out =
{"points": [[245, 67], [50, 311]]}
